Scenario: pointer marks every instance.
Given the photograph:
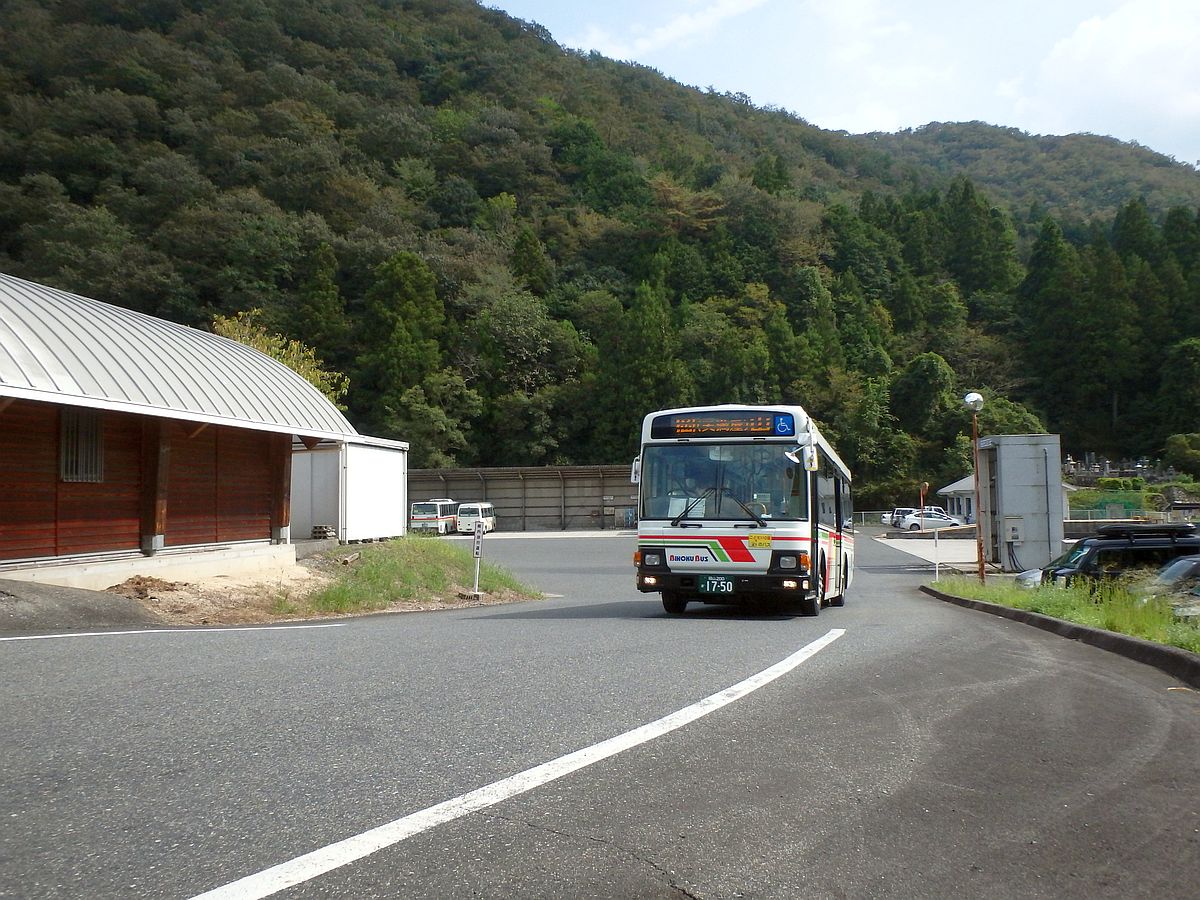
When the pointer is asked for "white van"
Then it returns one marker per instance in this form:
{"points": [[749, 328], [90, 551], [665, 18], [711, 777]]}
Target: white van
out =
{"points": [[469, 513]]}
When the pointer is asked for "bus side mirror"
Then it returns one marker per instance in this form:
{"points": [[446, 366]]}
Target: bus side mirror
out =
{"points": [[804, 456], [635, 471]]}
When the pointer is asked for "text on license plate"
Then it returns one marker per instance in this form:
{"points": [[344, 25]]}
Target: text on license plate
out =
{"points": [[716, 584]]}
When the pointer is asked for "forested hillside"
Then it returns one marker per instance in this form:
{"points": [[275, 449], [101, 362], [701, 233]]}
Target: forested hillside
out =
{"points": [[1075, 177], [515, 251]]}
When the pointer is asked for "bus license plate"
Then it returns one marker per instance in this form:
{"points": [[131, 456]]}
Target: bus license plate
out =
{"points": [[716, 584]]}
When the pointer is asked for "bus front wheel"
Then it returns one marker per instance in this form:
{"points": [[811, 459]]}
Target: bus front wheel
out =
{"points": [[673, 603]]}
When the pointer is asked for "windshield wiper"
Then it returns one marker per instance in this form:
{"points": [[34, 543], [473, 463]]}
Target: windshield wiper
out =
{"points": [[688, 509], [757, 517]]}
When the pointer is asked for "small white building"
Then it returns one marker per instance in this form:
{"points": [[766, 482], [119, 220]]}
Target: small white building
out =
{"points": [[959, 498]]}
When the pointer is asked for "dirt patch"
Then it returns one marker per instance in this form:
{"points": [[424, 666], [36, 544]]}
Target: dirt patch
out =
{"points": [[226, 600]]}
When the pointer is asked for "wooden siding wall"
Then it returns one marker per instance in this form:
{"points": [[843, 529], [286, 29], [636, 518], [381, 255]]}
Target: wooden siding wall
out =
{"points": [[219, 485], [28, 480], [106, 514], [42, 516]]}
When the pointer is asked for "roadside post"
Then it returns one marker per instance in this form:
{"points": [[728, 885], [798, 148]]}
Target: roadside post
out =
{"points": [[477, 550], [937, 571]]}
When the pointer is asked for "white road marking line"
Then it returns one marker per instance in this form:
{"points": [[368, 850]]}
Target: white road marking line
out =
{"points": [[181, 630], [318, 862]]}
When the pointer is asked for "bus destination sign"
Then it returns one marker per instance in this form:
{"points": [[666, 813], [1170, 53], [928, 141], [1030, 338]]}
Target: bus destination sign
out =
{"points": [[724, 423]]}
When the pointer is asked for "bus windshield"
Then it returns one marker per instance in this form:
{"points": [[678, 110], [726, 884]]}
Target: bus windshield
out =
{"points": [[425, 509], [721, 482]]}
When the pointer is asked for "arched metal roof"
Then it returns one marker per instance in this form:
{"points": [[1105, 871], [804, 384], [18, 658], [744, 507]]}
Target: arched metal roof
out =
{"points": [[63, 348]]}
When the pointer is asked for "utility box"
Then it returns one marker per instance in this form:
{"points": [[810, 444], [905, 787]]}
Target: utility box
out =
{"points": [[1020, 500]]}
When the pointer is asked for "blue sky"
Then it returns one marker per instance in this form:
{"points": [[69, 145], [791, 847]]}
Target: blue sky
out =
{"points": [[1125, 68]]}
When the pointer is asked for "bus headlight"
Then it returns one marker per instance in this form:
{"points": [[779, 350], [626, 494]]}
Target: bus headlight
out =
{"points": [[788, 562], [652, 559]]}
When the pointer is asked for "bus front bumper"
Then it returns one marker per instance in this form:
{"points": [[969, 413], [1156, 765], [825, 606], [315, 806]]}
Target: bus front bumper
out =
{"points": [[715, 587]]}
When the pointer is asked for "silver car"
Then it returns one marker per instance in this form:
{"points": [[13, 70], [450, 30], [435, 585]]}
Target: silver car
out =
{"points": [[925, 521]]}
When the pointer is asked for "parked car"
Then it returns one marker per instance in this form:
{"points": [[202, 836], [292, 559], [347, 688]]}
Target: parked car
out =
{"points": [[1178, 576], [924, 520], [1178, 583], [1116, 550], [894, 517]]}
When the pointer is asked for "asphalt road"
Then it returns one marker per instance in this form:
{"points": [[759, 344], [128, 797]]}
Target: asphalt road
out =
{"points": [[923, 751]]}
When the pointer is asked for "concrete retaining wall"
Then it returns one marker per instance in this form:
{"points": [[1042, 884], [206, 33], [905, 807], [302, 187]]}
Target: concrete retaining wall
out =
{"points": [[554, 498]]}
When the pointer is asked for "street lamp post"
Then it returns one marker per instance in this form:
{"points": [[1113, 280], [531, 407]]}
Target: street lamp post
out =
{"points": [[974, 402]]}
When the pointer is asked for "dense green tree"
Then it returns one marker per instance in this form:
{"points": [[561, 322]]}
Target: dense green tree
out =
{"points": [[1046, 305], [1183, 452], [1180, 404], [1134, 234], [1181, 237], [636, 376], [923, 393], [434, 416], [981, 244], [399, 335], [530, 263], [319, 314], [770, 174], [724, 344]]}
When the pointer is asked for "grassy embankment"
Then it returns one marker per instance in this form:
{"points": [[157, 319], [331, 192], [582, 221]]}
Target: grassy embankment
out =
{"points": [[417, 570], [1114, 606]]}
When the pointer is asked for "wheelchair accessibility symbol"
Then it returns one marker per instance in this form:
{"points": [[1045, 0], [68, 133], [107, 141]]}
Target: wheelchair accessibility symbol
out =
{"points": [[784, 425]]}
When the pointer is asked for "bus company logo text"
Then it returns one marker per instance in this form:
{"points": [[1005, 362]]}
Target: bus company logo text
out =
{"points": [[689, 556]]}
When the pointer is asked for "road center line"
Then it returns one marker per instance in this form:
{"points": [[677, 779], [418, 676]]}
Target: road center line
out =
{"points": [[318, 862], [78, 634]]}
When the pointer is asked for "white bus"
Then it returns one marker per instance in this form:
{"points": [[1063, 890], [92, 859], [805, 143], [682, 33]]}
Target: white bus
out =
{"points": [[742, 504], [439, 515]]}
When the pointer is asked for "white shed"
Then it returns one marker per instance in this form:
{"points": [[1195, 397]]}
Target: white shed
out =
{"points": [[352, 490]]}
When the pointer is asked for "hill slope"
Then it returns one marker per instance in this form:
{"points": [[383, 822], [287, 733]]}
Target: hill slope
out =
{"points": [[515, 251], [1078, 176]]}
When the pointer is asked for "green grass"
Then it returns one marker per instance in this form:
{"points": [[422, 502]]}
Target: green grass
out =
{"points": [[413, 569], [1112, 606]]}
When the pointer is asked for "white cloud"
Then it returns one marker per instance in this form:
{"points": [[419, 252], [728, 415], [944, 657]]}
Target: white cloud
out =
{"points": [[682, 29], [1135, 67]]}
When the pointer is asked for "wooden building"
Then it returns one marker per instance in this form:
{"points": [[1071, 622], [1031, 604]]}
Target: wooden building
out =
{"points": [[123, 435]]}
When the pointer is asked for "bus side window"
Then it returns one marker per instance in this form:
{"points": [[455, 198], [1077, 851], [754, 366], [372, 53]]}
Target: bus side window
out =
{"points": [[826, 496]]}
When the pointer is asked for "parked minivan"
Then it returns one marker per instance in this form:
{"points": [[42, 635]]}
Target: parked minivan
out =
{"points": [[470, 513]]}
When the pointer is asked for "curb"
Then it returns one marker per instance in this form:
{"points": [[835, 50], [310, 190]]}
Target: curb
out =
{"points": [[1175, 661]]}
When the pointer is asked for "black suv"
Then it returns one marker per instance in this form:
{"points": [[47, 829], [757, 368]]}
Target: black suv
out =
{"points": [[1116, 549]]}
